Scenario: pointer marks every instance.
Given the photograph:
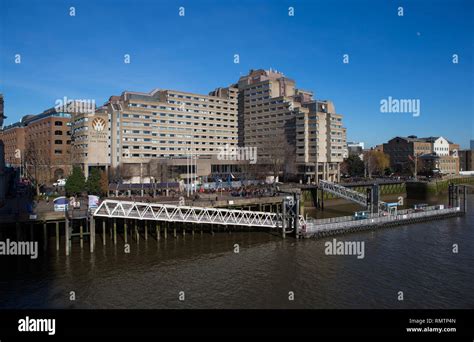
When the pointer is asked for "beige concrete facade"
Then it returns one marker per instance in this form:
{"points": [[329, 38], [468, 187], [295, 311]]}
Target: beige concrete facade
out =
{"points": [[139, 130], [91, 140], [167, 124], [276, 117], [262, 110]]}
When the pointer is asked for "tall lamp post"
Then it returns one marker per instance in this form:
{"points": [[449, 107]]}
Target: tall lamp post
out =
{"points": [[316, 163]]}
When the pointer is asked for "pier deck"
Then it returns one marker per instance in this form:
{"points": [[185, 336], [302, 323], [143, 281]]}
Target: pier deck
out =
{"points": [[346, 224]]}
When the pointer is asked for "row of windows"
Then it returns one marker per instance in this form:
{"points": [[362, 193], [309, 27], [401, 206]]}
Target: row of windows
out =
{"points": [[173, 122], [141, 105], [257, 92], [126, 139], [181, 116], [261, 86], [200, 105], [211, 118], [149, 147], [179, 153], [202, 99]]}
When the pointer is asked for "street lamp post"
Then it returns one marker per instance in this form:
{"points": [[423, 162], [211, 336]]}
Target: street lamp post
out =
{"points": [[187, 171], [316, 163]]}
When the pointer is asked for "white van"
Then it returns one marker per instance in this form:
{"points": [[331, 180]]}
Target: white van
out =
{"points": [[60, 182]]}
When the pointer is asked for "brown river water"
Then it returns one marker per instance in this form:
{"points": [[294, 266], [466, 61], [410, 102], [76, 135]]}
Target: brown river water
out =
{"points": [[205, 272]]}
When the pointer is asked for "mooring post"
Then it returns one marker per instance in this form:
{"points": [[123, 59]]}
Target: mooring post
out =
{"points": [[317, 197], [458, 195], [322, 199], [45, 235], [115, 231], [125, 230], [157, 232], [137, 236], [465, 199], [104, 235], [165, 231], [111, 229], [174, 231], [296, 223], [57, 236], [146, 230], [81, 235], [450, 195], [66, 235], [92, 234]]}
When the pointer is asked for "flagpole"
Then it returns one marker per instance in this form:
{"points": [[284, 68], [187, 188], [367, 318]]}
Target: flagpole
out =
{"points": [[187, 170]]}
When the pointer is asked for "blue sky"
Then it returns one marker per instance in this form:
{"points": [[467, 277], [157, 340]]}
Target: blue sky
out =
{"points": [[407, 57]]}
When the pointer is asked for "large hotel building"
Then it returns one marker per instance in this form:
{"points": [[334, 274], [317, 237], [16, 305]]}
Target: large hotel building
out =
{"points": [[263, 109], [163, 125], [276, 116]]}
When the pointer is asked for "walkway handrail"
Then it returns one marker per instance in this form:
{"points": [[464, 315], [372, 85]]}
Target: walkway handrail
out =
{"points": [[320, 226], [342, 191], [188, 214]]}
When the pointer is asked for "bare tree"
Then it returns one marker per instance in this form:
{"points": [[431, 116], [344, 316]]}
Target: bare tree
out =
{"points": [[38, 163], [277, 154]]}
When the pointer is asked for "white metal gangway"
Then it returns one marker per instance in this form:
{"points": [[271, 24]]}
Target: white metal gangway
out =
{"points": [[188, 214], [343, 192]]}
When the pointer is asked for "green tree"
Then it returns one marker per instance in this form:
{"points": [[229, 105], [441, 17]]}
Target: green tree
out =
{"points": [[93, 185], [75, 184], [354, 166]]}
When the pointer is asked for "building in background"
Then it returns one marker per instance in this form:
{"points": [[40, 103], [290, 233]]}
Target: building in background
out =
{"points": [[378, 148], [432, 154], [289, 127], [3, 171], [40, 145], [2, 114], [355, 149], [90, 138], [13, 137], [141, 132], [466, 158], [135, 134]]}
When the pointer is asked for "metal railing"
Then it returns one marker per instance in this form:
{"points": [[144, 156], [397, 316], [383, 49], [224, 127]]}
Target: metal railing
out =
{"points": [[346, 222], [343, 192], [189, 214]]}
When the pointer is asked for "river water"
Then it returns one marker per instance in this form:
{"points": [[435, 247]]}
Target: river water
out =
{"points": [[267, 272]]}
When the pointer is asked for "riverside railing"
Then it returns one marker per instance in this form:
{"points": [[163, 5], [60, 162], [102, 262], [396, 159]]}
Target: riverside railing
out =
{"points": [[347, 222], [189, 214]]}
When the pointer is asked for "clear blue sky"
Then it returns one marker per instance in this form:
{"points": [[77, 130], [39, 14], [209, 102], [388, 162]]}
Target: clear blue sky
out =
{"points": [[402, 57]]}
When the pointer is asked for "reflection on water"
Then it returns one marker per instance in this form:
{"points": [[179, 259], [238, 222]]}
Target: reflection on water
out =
{"points": [[415, 259]]}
